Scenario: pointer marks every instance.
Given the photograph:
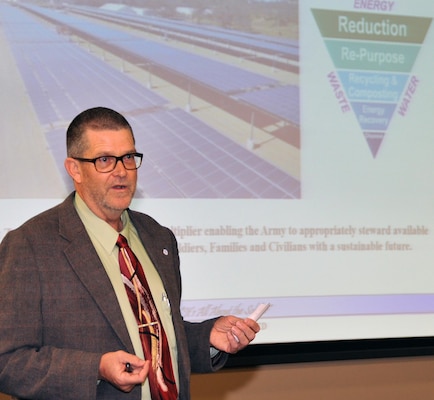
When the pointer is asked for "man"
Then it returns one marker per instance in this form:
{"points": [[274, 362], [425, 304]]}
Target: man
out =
{"points": [[67, 328]]}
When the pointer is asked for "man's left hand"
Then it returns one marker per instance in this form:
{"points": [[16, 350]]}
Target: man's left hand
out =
{"points": [[231, 334]]}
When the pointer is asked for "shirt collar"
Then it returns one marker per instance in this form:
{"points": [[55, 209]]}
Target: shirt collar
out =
{"points": [[98, 229]]}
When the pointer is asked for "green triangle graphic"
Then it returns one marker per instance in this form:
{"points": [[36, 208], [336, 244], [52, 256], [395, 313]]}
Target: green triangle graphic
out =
{"points": [[373, 55]]}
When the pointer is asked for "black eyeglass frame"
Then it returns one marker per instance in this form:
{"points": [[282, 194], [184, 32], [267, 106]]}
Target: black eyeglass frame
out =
{"points": [[117, 159]]}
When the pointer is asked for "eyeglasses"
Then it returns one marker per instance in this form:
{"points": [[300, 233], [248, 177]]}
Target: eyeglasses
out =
{"points": [[108, 163]]}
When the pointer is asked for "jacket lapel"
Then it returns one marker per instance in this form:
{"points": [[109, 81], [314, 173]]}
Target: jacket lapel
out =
{"points": [[86, 264]]}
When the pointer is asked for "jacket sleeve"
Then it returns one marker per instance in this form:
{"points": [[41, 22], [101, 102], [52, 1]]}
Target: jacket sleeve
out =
{"points": [[199, 347], [28, 367]]}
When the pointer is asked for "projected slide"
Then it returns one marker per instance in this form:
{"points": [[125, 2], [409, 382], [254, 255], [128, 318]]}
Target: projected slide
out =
{"points": [[291, 156]]}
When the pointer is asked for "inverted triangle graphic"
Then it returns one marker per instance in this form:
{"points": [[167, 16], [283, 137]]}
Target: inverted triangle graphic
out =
{"points": [[373, 55]]}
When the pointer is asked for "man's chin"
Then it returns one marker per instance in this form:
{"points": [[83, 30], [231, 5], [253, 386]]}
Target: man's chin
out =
{"points": [[120, 204]]}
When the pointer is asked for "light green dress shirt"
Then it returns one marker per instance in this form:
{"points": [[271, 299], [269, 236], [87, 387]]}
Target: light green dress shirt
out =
{"points": [[104, 238]]}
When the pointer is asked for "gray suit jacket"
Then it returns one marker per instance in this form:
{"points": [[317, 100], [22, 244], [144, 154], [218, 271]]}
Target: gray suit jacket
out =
{"points": [[59, 312]]}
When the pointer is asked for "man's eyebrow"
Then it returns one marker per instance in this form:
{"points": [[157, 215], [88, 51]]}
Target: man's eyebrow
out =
{"points": [[107, 154]]}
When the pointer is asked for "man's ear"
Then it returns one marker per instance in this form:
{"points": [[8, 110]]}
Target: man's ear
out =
{"points": [[73, 168]]}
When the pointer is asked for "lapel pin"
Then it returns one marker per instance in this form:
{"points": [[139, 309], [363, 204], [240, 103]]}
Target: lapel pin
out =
{"points": [[165, 252]]}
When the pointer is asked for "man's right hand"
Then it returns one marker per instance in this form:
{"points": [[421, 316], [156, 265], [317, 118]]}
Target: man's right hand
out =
{"points": [[113, 369]]}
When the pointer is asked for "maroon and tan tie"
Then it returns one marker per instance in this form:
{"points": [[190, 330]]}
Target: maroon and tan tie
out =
{"points": [[154, 341]]}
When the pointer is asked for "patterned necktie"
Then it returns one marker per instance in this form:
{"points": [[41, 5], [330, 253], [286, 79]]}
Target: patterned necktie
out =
{"points": [[154, 341]]}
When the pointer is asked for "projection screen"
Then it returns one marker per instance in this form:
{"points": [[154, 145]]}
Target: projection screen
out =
{"points": [[293, 164]]}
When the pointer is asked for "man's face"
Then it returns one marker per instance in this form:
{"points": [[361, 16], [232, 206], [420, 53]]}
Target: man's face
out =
{"points": [[107, 194]]}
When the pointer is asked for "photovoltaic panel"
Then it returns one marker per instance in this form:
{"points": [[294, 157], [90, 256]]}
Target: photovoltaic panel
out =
{"points": [[223, 77], [282, 101], [198, 162], [64, 80], [284, 47]]}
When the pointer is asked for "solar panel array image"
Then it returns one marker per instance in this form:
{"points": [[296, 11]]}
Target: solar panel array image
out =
{"points": [[183, 156], [258, 91]]}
